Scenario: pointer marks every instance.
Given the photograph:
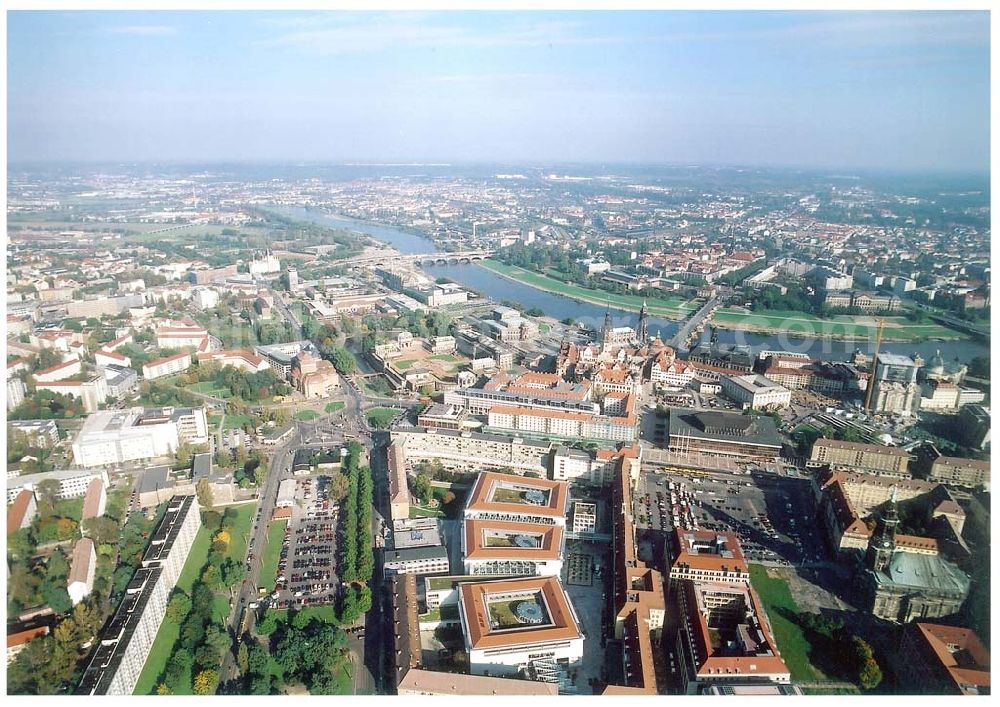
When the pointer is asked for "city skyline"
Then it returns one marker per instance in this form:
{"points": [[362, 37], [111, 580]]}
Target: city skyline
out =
{"points": [[886, 91]]}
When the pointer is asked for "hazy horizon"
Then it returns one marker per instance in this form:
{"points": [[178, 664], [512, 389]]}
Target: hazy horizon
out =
{"points": [[888, 92]]}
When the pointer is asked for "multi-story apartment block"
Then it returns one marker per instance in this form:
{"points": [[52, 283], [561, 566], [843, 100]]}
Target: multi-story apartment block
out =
{"points": [[871, 458], [166, 366], [124, 645], [73, 483]]}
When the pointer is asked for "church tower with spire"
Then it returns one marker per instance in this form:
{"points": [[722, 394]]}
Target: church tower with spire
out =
{"points": [[883, 541], [643, 332], [606, 330]]}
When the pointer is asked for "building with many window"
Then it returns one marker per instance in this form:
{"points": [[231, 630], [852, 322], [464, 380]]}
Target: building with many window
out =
{"points": [[725, 637], [856, 456], [756, 392], [502, 497], [505, 548], [120, 436], [73, 483], [706, 556], [514, 625], [722, 433], [166, 366], [121, 650]]}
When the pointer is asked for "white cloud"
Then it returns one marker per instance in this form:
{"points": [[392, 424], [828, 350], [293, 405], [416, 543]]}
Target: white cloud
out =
{"points": [[359, 33]]}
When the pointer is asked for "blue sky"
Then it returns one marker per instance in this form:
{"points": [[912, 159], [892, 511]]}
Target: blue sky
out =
{"points": [[879, 90]]}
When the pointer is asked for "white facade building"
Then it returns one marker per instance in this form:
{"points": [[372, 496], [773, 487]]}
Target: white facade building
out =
{"points": [[755, 391]]}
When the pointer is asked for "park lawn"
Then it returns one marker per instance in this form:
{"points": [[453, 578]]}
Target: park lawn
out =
{"points": [[669, 307], [404, 364], [342, 673], [237, 421], [444, 357], [420, 512], [306, 415], [208, 388], [334, 406], [69, 508], [380, 417], [841, 325], [241, 531], [272, 552], [544, 328], [792, 643], [169, 631]]}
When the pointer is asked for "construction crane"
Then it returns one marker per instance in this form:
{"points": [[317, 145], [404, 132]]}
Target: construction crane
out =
{"points": [[871, 378]]}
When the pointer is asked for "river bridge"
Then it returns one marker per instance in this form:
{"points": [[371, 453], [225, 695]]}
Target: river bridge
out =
{"points": [[694, 325], [440, 258]]}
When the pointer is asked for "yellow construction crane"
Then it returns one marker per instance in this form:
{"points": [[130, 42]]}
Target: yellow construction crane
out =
{"points": [[871, 378]]}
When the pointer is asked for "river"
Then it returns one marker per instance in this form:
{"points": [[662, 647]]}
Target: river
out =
{"points": [[560, 307]]}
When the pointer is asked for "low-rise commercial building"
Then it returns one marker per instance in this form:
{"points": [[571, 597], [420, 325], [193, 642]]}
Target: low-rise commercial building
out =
{"points": [[511, 625], [416, 548], [502, 497], [505, 548], [755, 392], [723, 434]]}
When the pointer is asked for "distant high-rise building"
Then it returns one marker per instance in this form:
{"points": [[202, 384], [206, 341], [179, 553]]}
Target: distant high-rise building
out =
{"points": [[293, 279]]}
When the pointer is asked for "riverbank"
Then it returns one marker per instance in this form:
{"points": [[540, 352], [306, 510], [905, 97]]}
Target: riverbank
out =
{"points": [[669, 308], [840, 328]]}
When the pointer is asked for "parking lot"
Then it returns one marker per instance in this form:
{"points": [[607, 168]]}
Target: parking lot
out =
{"points": [[773, 516], [307, 565]]}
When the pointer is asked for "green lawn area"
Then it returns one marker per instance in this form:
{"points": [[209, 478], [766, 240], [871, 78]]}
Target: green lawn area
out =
{"points": [[70, 508], [208, 388], [792, 643], [237, 421], [381, 417], [272, 551], [404, 364], [838, 326], [169, 631], [544, 328], [668, 307], [306, 415], [444, 357], [334, 406], [421, 512]]}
